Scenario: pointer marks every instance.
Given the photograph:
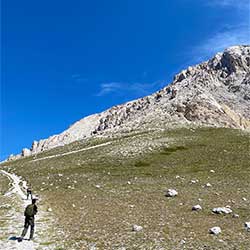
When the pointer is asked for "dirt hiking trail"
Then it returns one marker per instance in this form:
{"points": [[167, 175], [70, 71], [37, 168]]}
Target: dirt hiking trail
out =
{"points": [[15, 219]]}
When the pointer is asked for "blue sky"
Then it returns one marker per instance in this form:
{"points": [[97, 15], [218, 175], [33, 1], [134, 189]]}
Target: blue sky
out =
{"points": [[63, 60]]}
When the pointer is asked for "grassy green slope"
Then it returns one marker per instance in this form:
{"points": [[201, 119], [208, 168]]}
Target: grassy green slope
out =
{"points": [[132, 187]]}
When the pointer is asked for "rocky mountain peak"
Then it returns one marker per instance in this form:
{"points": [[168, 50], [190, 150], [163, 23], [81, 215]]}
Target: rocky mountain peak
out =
{"points": [[213, 93]]}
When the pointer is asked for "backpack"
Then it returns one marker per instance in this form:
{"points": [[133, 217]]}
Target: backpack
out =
{"points": [[29, 211]]}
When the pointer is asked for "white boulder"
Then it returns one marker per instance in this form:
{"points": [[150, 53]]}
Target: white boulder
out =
{"points": [[215, 230], [194, 181], [171, 193], [247, 226], [136, 228], [222, 210], [196, 208], [236, 216]]}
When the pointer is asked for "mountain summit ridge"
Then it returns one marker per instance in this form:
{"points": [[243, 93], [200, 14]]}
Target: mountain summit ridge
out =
{"points": [[212, 93]]}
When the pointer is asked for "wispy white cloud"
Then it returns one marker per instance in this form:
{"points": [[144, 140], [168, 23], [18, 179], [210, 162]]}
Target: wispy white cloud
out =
{"points": [[129, 89], [235, 35], [240, 4], [224, 35], [78, 78]]}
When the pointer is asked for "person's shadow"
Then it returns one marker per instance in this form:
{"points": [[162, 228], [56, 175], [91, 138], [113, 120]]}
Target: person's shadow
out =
{"points": [[19, 239]]}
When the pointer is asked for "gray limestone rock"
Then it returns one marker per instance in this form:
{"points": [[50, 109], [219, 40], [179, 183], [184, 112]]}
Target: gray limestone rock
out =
{"points": [[222, 210], [215, 230]]}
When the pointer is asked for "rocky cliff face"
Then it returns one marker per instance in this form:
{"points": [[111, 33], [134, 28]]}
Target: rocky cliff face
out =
{"points": [[213, 93]]}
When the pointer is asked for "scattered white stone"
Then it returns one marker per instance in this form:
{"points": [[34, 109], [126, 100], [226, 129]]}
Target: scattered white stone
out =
{"points": [[60, 175], [212, 171], [199, 199], [182, 242], [129, 183], [75, 181], [171, 193], [236, 216], [222, 210], [49, 209], [73, 205], [221, 241], [208, 185], [196, 208], [215, 230], [177, 177], [194, 181], [244, 199], [247, 226], [97, 186], [136, 228]]}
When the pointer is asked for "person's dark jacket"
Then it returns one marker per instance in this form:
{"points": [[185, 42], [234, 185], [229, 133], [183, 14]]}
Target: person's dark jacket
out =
{"points": [[30, 210]]}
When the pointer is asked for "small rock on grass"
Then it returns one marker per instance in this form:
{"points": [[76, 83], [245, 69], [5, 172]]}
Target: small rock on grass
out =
{"points": [[194, 181], [236, 216], [196, 208], [215, 230], [171, 193], [247, 226], [182, 242], [136, 228], [222, 210]]}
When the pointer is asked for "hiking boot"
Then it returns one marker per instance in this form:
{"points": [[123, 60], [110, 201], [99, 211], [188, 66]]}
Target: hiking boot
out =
{"points": [[20, 239]]}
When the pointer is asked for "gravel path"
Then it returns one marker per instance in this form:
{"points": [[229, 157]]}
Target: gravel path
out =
{"points": [[72, 152], [15, 218]]}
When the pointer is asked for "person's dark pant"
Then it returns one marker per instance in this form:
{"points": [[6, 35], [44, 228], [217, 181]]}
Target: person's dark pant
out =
{"points": [[29, 221], [29, 194]]}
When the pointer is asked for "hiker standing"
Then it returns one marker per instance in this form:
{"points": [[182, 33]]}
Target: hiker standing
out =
{"points": [[29, 193], [29, 213]]}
